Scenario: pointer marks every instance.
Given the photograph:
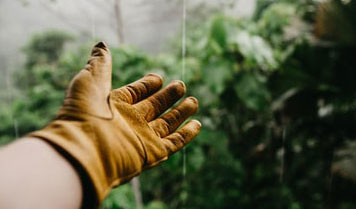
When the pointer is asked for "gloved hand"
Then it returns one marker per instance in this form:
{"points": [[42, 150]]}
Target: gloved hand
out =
{"points": [[115, 134]]}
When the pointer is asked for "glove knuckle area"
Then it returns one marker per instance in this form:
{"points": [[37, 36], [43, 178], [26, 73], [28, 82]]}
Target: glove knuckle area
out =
{"points": [[134, 93], [155, 105], [149, 84], [118, 95], [175, 90], [130, 93], [174, 142], [160, 127], [151, 144]]}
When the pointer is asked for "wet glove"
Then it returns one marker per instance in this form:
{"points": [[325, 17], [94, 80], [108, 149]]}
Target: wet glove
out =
{"points": [[112, 135]]}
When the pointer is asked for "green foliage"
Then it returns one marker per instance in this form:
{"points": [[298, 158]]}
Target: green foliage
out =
{"points": [[274, 20], [121, 198], [45, 48], [251, 89], [277, 109]]}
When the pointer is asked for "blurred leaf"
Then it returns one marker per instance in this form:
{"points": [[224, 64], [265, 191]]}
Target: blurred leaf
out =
{"points": [[255, 50], [156, 205], [251, 89], [120, 198], [218, 33], [215, 75]]}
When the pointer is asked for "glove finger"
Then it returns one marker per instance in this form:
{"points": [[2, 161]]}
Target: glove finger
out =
{"points": [[138, 90], [159, 102], [100, 67], [171, 120], [183, 136], [90, 88]]}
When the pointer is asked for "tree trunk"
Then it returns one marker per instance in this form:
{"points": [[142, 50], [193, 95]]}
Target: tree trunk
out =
{"points": [[119, 25], [135, 184]]}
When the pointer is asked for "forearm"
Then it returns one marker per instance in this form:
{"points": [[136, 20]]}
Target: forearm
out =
{"points": [[34, 175]]}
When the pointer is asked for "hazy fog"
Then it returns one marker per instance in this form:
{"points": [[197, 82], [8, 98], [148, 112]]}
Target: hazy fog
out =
{"points": [[146, 24]]}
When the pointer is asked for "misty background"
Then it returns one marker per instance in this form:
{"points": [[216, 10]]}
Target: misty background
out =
{"points": [[275, 80], [145, 24]]}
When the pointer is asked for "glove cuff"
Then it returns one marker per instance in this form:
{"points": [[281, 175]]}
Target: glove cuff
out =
{"points": [[70, 138]]}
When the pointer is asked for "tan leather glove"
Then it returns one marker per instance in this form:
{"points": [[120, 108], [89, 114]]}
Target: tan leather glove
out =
{"points": [[115, 134]]}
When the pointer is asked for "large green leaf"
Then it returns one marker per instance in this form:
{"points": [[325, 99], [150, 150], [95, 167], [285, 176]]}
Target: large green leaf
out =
{"points": [[256, 51]]}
